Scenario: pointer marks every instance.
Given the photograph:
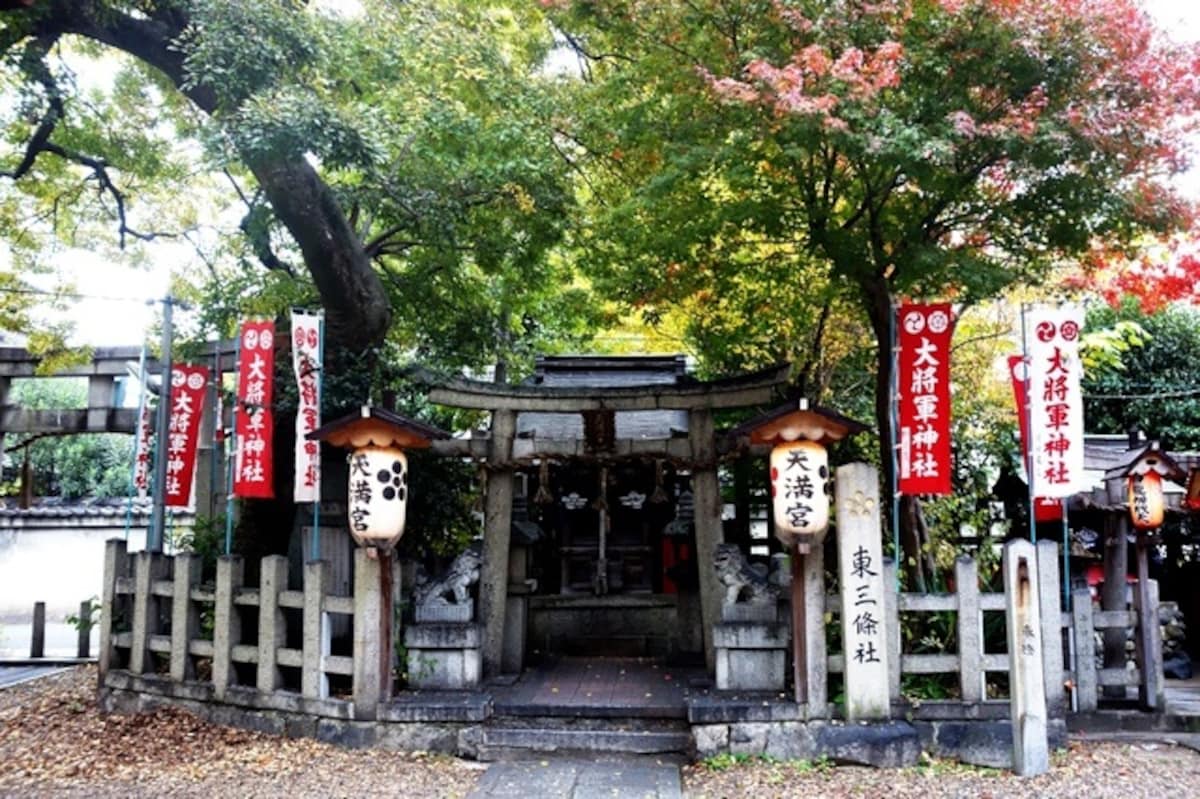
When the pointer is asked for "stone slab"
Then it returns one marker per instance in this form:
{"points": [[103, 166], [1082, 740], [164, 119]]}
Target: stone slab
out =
{"points": [[438, 706], [740, 707], [437, 612], [751, 635], [443, 636], [577, 779]]}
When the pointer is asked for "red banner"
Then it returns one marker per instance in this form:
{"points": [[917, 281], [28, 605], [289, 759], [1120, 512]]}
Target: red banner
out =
{"points": [[254, 423], [923, 398], [186, 404], [1045, 509]]}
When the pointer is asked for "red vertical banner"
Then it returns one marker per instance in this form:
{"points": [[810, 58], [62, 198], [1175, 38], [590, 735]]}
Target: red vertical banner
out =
{"points": [[186, 404], [253, 420], [1045, 509], [923, 398]]}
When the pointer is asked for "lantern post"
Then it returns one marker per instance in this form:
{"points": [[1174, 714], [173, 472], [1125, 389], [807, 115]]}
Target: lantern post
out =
{"points": [[801, 488], [378, 499], [1144, 474]]}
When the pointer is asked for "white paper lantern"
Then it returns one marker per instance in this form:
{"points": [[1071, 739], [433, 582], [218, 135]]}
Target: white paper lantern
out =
{"points": [[799, 492], [378, 495]]}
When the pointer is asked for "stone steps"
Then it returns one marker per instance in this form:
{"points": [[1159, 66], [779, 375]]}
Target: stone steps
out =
{"points": [[511, 738]]}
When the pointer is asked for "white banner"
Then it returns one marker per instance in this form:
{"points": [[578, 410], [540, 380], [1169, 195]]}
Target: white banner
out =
{"points": [[1055, 399], [142, 447], [306, 362]]}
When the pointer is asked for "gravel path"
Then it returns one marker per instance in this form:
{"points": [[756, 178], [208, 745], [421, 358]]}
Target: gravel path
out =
{"points": [[54, 742]]}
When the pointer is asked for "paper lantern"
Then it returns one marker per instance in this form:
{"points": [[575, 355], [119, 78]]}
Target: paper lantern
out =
{"points": [[378, 495], [1146, 500], [799, 492]]}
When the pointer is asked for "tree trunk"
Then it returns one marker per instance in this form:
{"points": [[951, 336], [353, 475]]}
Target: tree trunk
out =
{"points": [[356, 304], [878, 301]]}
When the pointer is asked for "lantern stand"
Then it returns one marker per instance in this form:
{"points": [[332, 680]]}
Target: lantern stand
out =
{"points": [[796, 430], [1144, 474], [378, 498]]}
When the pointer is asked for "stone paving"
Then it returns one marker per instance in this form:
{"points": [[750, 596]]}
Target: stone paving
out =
{"points": [[611, 687], [579, 779]]}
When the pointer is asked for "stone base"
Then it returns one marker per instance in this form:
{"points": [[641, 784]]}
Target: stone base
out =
{"points": [[443, 657], [750, 656], [441, 612]]}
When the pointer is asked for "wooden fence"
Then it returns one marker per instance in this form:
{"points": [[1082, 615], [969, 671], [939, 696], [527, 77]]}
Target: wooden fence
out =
{"points": [[157, 619]]}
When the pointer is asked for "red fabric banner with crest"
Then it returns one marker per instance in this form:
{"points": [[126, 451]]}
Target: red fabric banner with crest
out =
{"points": [[254, 422], [185, 405], [923, 398]]}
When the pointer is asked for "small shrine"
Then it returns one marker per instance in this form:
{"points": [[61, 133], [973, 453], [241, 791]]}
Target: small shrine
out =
{"points": [[603, 511]]}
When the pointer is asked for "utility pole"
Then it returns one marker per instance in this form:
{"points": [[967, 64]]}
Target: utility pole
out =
{"points": [[154, 543]]}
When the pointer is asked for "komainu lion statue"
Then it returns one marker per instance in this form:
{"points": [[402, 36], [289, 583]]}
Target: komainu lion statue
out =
{"points": [[743, 583], [456, 582]]}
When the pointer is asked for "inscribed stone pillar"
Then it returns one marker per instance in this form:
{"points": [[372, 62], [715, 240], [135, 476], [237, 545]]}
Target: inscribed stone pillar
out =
{"points": [[708, 522], [1026, 684], [861, 581], [497, 531], [1116, 567]]}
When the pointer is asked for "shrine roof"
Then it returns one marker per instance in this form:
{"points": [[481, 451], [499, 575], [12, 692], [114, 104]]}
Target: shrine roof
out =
{"points": [[576, 384]]}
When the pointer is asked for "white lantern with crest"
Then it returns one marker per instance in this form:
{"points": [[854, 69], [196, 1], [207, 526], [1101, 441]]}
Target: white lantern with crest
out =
{"points": [[378, 486], [800, 485]]}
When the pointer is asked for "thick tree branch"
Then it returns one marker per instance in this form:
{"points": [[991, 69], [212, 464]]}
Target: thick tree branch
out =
{"points": [[357, 309]]}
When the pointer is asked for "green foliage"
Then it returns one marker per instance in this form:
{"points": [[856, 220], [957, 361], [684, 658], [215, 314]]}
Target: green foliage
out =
{"points": [[89, 616], [76, 466], [205, 537], [1155, 390]]}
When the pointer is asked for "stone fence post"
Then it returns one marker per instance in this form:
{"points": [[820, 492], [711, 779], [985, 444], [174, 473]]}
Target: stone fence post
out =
{"points": [[1031, 750], [227, 628]]}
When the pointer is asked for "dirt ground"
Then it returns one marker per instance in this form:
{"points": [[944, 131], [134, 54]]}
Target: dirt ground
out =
{"points": [[54, 742]]}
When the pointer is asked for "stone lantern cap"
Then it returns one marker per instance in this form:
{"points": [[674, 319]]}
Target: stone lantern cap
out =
{"points": [[798, 421], [377, 427], [1152, 458]]}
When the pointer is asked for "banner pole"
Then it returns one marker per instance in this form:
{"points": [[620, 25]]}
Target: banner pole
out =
{"points": [[320, 368], [1029, 423], [137, 441], [231, 458], [893, 389], [1066, 547]]}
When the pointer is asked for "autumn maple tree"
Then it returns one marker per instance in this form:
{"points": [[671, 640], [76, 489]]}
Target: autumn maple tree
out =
{"points": [[895, 149]]}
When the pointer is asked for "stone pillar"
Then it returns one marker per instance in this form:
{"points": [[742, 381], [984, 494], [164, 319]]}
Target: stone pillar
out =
{"points": [[708, 522], [100, 395], [115, 566], [1116, 566], [227, 628], [149, 567], [272, 628], [185, 620], [861, 579], [513, 658], [1026, 683], [1050, 608], [497, 532], [317, 630], [368, 611]]}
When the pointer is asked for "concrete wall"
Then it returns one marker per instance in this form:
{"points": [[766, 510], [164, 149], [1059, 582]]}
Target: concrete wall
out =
{"points": [[57, 559]]}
